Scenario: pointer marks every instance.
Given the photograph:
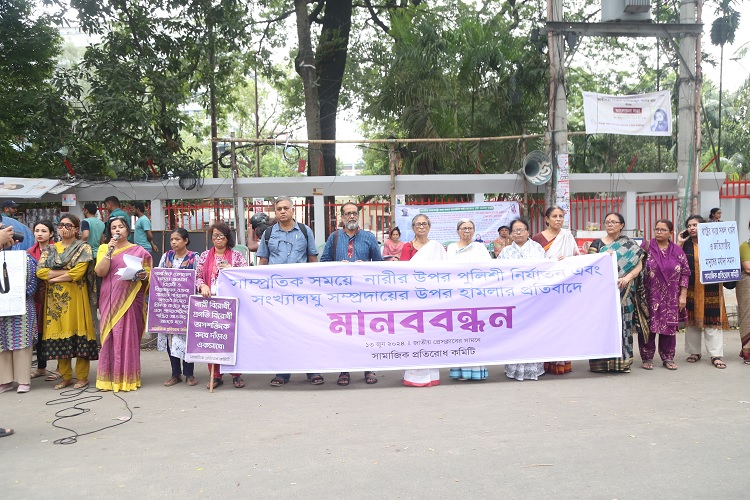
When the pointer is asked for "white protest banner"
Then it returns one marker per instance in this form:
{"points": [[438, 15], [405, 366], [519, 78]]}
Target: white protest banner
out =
{"points": [[302, 318], [642, 114], [487, 217], [13, 303], [719, 252], [169, 293]]}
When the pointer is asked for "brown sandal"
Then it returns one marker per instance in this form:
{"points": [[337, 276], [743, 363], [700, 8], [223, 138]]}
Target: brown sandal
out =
{"points": [[693, 358], [718, 363], [63, 384], [669, 364]]}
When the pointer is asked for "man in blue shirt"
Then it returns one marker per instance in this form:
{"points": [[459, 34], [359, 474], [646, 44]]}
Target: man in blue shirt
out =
{"points": [[92, 228], [142, 235], [351, 244], [9, 211], [285, 243]]}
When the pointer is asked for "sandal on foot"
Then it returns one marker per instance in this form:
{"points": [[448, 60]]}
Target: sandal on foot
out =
{"points": [[238, 382], [747, 361], [81, 384], [36, 374], [669, 364], [718, 363], [277, 382], [191, 381], [371, 378], [6, 387], [52, 376], [344, 379], [316, 380], [63, 384], [693, 358], [5, 432], [217, 382], [172, 381], [23, 388], [647, 365]]}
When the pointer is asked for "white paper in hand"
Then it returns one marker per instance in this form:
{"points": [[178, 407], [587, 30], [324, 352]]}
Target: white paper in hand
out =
{"points": [[133, 264]]}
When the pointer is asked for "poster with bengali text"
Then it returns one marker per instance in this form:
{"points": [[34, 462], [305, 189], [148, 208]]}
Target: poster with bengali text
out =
{"points": [[212, 330], [168, 297], [719, 252]]}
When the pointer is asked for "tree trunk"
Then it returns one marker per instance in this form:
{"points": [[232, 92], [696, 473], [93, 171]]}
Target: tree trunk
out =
{"points": [[331, 56], [305, 66]]}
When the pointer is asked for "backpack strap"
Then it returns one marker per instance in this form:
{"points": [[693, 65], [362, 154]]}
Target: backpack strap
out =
{"points": [[303, 228], [335, 244]]}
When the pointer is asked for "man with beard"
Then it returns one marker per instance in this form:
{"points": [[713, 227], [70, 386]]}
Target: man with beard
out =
{"points": [[350, 244]]}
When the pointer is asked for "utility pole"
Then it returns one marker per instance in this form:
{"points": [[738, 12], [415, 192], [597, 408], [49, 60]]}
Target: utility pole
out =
{"points": [[687, 155], [557, 122]]}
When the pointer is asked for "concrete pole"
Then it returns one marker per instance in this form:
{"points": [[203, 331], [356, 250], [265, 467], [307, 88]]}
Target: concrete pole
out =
{"points": [[557, 123], [686, 151]]}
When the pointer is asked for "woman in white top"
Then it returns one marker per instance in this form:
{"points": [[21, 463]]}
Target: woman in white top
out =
{"points": [[468, 250]]}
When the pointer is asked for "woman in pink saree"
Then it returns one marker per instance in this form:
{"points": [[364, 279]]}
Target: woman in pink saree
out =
{"points": [[122, 309]]}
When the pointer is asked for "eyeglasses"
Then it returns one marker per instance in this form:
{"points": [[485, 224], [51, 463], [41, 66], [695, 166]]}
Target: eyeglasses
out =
{"points": [[466, 229], [661, 230], [421, 224], [519, 231], [350, 214], [217, 237], [66, 226], [612, 222]]}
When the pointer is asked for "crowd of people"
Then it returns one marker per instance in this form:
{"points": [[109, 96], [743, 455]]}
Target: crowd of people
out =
{"points": [[77, 307]]}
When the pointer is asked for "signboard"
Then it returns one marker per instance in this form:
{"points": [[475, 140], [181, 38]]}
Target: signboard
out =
{"points": [[719, 252], [13, 303], [212, 330], [642, 114], [168, 299]]}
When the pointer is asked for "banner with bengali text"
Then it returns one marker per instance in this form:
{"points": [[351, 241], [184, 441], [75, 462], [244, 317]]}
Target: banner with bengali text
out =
{"points": [[212, 330], [640, 114], [335, 316], [168, 296], [719, 252]]}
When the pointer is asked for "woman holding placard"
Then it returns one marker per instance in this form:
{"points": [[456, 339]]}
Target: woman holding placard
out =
{"points": [[629, 265], [523, 248], [743, 300], [18, 334], [706, 313], [177, 258], [220, 256], [468, 250], [122, 308], [558, 243], [69, 327], [666, 280], [422, 249]]}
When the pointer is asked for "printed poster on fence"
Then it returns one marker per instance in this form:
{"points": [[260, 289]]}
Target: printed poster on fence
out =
{"points": [[13, 303], [334, 316], [168, 300], [212, 330], [719, 252], [487, 217], [641, 114]]}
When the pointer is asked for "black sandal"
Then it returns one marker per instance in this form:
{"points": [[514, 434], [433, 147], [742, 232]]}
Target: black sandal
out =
{"points": [[344, 379], [217, 383], [371, 378], [277, 382], [316, 380]]}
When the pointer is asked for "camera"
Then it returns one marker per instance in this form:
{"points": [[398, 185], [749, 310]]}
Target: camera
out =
{"points": [[17, 237]]}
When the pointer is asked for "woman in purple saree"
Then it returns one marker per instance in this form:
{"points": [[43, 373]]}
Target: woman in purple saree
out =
{"points": [[121, 305]]}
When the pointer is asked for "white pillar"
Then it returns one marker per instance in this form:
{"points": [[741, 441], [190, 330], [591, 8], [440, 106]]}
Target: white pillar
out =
{"points": [[478, 198], [319, 210], [630, 210], [242, 230], [157, 216]]}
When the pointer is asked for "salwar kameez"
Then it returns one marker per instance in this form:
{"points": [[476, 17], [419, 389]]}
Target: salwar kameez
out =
{"points": [[666, 273], [743, 303]]}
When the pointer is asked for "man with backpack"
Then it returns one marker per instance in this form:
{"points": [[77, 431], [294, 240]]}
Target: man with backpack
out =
{"points": [[287, 242]]}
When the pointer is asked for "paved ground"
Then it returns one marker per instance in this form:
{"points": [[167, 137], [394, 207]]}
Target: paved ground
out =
{"points": [[666, 434]]}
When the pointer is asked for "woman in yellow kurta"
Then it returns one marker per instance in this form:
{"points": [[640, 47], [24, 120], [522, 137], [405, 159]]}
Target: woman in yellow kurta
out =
{"points": [[68, 325], [122, 309]]}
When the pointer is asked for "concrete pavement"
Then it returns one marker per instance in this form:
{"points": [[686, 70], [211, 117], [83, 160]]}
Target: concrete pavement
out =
{"points": [[648, 433]]}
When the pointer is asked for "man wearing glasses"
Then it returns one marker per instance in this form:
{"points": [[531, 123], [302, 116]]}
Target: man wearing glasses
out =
{"points": [[287, 244], [350, 244]]}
